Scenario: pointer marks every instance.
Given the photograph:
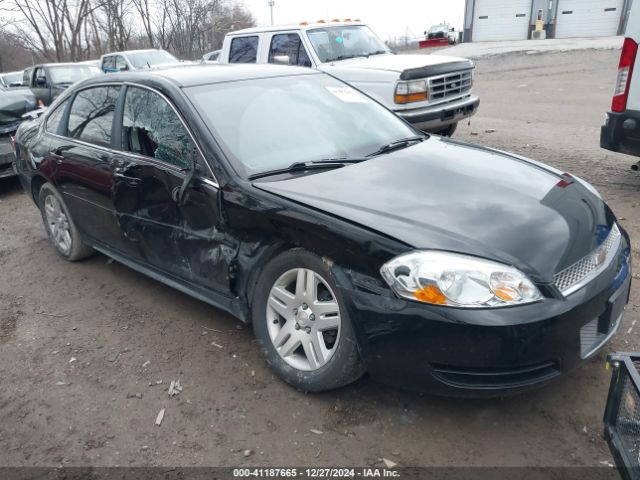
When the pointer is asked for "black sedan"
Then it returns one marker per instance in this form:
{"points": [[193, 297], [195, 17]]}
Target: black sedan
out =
{"points": [[351, 242]]}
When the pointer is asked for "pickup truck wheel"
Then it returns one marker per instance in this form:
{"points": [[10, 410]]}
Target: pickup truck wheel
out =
{"points": [[302, 324], [449, 131]]}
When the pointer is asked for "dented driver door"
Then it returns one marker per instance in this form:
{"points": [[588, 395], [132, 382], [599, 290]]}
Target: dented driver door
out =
{"points": [[176, 235]]}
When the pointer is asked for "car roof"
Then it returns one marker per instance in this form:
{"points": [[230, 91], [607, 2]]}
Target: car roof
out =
{"points": [[190, 75], [297, 26], [125, 52], [60, 64]]}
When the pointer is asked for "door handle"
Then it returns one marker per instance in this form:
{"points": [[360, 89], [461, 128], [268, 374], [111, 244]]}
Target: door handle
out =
{"points": [[131, 181], [57, 156]]}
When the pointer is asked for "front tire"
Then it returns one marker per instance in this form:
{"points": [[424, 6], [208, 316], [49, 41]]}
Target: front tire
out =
{"points": [[302, 324], [61, 229]]}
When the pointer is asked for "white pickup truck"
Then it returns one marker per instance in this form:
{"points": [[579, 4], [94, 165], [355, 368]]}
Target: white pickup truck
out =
{"points": [[621, 129], [432, 92]]}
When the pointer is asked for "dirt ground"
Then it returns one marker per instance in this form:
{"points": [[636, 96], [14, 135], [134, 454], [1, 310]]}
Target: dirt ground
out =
{"points": [[84, 346]]}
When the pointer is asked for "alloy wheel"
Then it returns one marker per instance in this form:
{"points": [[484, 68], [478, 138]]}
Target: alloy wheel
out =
{"points": [[303, 319], [58, 224]]}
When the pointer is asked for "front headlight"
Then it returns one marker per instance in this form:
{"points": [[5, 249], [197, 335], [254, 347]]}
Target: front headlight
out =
{"points": [[442, 278], [412, 91]]}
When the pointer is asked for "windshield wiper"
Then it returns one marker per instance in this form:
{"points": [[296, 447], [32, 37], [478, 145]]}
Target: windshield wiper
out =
{"points": [[398, 144], [311, 165]]}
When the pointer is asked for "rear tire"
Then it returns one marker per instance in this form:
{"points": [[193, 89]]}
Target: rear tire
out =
{"points": [[300, 320], [61, 230]]}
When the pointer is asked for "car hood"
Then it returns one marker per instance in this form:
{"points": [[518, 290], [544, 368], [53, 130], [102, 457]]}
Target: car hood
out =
{"points": [[397, 63], [446, 195], [13, 104]]}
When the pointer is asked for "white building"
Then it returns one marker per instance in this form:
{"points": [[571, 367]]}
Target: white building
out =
{"points": [[489, 20]]}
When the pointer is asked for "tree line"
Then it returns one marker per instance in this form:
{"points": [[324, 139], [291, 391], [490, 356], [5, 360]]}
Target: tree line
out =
{"points": [[76, 30]]}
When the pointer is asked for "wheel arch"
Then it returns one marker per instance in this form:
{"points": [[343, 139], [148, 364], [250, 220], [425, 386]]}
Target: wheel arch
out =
{"points": [[37, 181]]}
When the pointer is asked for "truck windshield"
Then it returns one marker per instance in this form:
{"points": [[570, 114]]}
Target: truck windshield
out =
{"points": [[345, 41], [151, 58], [72, 73], [270, 123]]}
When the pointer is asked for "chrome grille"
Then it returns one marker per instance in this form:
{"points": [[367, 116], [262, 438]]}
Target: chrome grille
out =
{"points": [[575, 276], [450, 85]]}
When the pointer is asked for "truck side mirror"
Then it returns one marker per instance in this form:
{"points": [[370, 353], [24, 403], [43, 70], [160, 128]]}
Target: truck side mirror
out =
{"points": [[41, 81], [280, 60]]}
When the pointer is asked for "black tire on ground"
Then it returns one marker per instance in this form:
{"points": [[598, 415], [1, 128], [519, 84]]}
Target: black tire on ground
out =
{"points": [[345, 365], [449, 131], [79, 249]]}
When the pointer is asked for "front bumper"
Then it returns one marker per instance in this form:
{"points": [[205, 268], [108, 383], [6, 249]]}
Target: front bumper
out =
{"points": [[621, 132], [7, 157], [437, 117], [488, 352]]}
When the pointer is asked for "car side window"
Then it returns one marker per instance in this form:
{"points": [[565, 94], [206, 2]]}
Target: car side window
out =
{"points": [[40, 77], [150, 127], [55, 118], [26, 77], [91, 115], [121, 64], [289, 45], [108, 64], [244, 50]]}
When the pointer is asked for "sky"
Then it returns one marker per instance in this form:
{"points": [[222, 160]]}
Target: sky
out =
{"points": [[388, 19]]}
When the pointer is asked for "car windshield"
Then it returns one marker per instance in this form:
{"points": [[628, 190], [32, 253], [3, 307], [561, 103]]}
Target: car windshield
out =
{"points": [[269, 124], [439, 28], [14, 77], [347, 41], [72, 73], [151, 58]]}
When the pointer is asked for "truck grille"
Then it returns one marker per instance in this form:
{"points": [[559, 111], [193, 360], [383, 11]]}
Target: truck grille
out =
{"points": [[450, 85], [575, 276]]}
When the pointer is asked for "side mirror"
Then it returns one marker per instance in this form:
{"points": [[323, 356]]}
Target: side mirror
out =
{"points": [[123, 69], [281, 60], [452, 30], [15, 84], [41, 81]]}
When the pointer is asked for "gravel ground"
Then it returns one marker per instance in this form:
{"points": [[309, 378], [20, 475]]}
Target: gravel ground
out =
{"points": [[84, 346]]}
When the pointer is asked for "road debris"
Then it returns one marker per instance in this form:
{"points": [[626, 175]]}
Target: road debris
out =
{"points": [[73, 359], [159, 417], [146, 364], [316, 431], [216, 345], [62, 384], [174, 388], [134, 395], [247, 453], [388, 463]]}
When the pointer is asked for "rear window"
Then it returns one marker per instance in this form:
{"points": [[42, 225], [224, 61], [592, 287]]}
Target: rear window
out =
{"points": [[244, 50]]}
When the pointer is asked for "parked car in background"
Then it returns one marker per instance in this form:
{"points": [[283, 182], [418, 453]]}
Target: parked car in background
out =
{"points": [[94, 63], [621, 129], [350, 240], [442, 30], [14, 103], [136, 60], [49, 80], [432, 92], [11, 79], [211, 57]]}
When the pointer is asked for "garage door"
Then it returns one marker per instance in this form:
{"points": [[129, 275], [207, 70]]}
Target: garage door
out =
{"points": [[501, 20], [588, 18]]}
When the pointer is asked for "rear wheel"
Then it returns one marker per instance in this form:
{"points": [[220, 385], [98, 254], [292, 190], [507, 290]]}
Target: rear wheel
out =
{"points": [[62, 232], [301, 322]]}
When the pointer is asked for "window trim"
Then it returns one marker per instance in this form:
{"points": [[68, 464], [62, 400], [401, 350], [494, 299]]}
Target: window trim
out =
{"points": [[64, 105]]}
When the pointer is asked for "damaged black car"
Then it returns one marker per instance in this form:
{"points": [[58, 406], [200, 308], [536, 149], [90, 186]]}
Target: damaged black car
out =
{"points": [[350, 241], [14, 103]]}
